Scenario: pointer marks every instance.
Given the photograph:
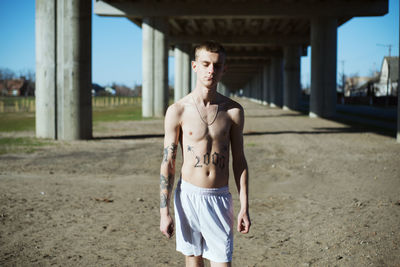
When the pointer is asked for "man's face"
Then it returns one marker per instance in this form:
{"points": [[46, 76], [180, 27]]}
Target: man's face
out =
{"points": [[209, 68]]}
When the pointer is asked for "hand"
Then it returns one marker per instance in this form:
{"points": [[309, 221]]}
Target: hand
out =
{"points": [[243, 225], [167, 225]]}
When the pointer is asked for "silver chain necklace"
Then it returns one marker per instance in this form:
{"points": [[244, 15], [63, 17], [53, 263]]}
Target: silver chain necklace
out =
{"points": [[201, 117]]}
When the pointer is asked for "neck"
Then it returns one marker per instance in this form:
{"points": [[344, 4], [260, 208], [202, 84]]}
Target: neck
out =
{"points": [[207, 95]]}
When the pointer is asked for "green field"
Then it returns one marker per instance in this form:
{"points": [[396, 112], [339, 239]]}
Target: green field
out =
{"points": [[118, 113], [25, 121], [21, 144]]}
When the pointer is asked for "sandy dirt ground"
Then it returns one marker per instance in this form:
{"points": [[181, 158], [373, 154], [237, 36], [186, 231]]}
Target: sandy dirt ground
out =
{"points": [[321, 194]]}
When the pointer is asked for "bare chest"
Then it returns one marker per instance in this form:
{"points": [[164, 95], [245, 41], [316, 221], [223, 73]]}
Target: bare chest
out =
{"points": [[194, 129]]}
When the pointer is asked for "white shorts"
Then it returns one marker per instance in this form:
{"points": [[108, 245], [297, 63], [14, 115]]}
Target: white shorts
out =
{"points": [[204, 221]]}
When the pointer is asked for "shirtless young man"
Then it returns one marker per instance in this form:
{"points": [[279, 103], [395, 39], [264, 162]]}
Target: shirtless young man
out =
{"points": [[206, 124]]}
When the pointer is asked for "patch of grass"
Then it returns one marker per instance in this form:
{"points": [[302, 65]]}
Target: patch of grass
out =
{"points": [[251, 144], [12, 122], [25, 121], [117, 113], [20, 144]]}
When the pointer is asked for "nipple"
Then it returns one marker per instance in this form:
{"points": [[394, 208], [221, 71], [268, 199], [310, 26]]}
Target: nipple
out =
{"points": [[190, 133]]}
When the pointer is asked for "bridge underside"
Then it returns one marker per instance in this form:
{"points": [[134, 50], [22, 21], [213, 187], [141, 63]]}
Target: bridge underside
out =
{"points": [[265, 40]]}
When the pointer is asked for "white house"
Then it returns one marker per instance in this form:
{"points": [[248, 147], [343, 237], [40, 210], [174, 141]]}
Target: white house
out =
{"points": [[388, 77]]}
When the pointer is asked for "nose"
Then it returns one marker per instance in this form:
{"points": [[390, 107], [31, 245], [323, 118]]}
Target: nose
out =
{"points": [[211, 68]]}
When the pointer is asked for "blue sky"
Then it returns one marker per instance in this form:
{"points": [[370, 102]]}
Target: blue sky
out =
{"points": [[117, 44]]}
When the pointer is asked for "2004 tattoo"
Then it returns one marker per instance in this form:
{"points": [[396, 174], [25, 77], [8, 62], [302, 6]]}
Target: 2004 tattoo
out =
{"points": [[216, 159]]}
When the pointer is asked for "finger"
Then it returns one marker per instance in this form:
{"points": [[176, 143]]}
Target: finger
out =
{"points": [[239, 225], [246, 226], [167, 234], [171, 231], [245, 229]]}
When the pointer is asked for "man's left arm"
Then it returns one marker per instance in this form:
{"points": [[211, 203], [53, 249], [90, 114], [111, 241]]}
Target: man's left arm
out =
{"points": [[240, 169]]}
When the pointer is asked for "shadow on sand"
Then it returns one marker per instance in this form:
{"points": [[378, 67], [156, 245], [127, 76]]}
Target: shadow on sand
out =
{"points": [[128, 137]]}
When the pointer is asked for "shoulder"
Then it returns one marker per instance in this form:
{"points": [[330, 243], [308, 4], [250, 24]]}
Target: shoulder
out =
{"points": [[234, 109], [175, 111]]}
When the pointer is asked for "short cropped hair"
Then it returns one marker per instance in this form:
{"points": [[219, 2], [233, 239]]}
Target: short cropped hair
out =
{"points": [[210, 46]]}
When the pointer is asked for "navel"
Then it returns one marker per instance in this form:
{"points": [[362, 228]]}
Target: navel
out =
{"points": [[208, 173]]}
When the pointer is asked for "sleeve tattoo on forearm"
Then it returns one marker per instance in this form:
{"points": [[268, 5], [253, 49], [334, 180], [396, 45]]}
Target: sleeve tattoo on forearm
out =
{"points": [[166, 183], [165, 189], [170, 149]]}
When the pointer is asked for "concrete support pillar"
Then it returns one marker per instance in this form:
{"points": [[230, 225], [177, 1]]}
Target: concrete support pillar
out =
{"points": [[265, 76], [46, 124], [147, 67], [261, 85], [155, 67], [249, 88], [291, 77], [323, 67], [74, 69], [398, 102], [253, 88], [160, 95], [398, 109], [183, 71], [64, 70], [223, 89], [257, 84], [186, 69], [193, 78], [276, 81], [178, 74], [256, 87], [246, 90]]}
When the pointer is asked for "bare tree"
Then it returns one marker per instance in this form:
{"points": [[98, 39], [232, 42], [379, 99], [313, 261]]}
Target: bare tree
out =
{"points": [[6, 74]]}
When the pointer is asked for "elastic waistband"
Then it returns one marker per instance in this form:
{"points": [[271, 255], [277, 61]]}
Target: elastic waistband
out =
{"points": [[189, 188]]}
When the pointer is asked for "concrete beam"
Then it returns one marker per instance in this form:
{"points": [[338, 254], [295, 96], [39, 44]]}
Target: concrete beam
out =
{"points": [[198, 9], [253, 54], [245, 39], [247, 61]]}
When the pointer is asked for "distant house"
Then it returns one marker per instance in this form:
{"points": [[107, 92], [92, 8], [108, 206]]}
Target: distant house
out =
{"points": [[385, 83], [17, 87], [355, 86], [97, 89], [388, 77]]}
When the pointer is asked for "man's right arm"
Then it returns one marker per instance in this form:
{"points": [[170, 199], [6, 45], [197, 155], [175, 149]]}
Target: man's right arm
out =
{"points": [[167, 170]]}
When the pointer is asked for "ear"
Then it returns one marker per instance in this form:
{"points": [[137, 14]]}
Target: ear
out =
{"points": [[194, 65]]}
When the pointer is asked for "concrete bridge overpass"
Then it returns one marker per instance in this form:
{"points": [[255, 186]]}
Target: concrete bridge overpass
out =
{"points": [[264, 40]]}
